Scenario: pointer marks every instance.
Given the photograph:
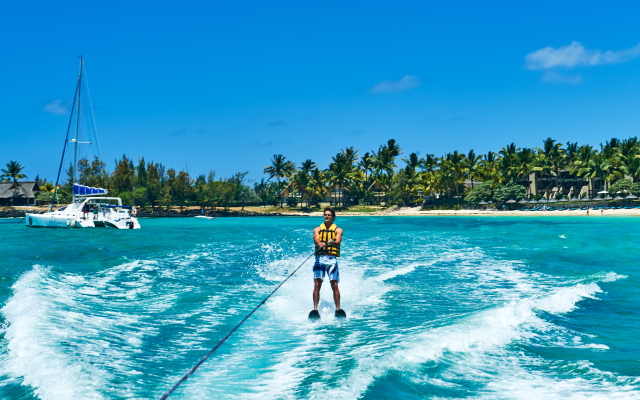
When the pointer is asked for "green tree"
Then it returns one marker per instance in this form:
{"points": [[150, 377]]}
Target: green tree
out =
{"points": [[142, 176], [457, 166], [581, 161], [488, 167], [412, 161], [317, 186], [508, 163], [13, 172], [525, 161], [279, 168], [599, 166], [366, 162], [621, 187], [482, 192], [169, 188], [429, 164], [509, 191], [342, 173], [155, 179], [471, 164], [405, 185], [123, 176], [300, 182], [92, 174], [182, 188]]}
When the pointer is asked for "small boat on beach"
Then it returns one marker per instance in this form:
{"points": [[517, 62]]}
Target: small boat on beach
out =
{"points": [[88, 207]]}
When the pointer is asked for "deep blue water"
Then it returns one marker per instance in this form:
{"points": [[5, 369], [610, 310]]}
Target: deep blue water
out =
{"points": [[438, 307]]}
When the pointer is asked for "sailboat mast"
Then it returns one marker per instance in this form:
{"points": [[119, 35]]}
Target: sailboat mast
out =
{"points": [[75, 150]]}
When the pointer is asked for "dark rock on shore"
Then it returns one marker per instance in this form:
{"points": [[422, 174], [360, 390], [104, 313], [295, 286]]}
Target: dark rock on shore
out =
{"points": [[161, 214], [15, 213]]}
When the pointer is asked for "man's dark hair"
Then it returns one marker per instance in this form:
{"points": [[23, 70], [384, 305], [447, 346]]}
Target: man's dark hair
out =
{"points": [[333, 213]]}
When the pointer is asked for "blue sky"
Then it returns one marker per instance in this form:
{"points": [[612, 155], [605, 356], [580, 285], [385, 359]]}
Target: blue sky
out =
{"points": [[225, 85]]}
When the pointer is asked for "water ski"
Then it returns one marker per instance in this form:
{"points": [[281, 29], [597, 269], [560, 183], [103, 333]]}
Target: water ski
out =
{"points": [[314, 315], [341, 314]]}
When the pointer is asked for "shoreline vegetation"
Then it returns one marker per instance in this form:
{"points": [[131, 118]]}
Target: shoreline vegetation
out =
{"points": [[375, 180], [393, 211]]}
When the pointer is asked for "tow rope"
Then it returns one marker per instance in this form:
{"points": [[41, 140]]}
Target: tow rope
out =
{"points": [[192, 370]]}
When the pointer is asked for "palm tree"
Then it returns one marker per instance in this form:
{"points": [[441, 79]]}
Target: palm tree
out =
{"points": [[546, 155], [629, 148], [445, 173], [597, 166], [488, 166], [383, 163], [613, 153], [572, 153], [341, 171], [508, 163], [457, 164], [633, 167], [581, 161], [405, 184], [350, 155], [279, 168], [384, 159], [13, 172], [307, 166], [317, 185], [525, 160], [301, 179], [412, 162], [471, 164], [429, 164], [300, 182], [393, 148], [366, 162]]}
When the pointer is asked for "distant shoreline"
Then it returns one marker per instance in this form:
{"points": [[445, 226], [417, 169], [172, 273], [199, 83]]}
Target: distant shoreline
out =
{"points": [[13, 214]]}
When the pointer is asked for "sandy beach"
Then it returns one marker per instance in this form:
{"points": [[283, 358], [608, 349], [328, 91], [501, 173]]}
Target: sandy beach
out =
{"points": [[412, 212]]}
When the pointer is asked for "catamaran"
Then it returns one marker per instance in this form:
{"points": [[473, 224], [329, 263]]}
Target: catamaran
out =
{"points": [[88, 208]]}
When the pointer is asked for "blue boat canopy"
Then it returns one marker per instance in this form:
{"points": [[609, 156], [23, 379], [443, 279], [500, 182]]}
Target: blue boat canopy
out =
{"points": [[80, 190]]}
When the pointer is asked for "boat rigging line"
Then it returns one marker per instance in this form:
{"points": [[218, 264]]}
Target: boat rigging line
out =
{"points": [[53, 198], [192, 370]]}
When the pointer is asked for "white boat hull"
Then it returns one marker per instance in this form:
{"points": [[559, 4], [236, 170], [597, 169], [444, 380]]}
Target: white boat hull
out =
{"points": [[49, 220], [71, 216]]}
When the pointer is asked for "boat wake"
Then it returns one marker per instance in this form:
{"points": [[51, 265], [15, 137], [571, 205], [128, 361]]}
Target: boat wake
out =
{"points": [[440, 318]]}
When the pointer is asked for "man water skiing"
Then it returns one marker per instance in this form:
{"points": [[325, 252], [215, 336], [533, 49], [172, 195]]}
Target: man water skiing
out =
{"points": [[327, 261]]}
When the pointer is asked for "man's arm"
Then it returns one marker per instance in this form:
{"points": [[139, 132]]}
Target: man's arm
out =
{"points": [[338, 236], [316, 237]]}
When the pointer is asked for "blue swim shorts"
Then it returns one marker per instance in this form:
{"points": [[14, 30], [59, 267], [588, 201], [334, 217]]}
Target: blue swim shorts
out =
{"points": [[328, 265]]}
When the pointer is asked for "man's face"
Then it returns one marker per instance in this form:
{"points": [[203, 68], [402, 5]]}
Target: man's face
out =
{"points": [[328, 217]]}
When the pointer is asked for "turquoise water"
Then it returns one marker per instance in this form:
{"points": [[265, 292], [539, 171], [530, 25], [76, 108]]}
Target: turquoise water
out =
{"points": [[457, 307]]}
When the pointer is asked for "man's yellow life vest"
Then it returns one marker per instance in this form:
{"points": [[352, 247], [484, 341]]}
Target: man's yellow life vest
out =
{"points": [[326, 235]]}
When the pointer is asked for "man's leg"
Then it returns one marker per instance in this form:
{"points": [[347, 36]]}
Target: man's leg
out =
{"points": [[336, 293], [316, 293]]}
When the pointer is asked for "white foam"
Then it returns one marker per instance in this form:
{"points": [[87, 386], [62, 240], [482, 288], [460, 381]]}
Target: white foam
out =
{"points": [[398, 272], [71, 335], [33, 347], [474, 338]]}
